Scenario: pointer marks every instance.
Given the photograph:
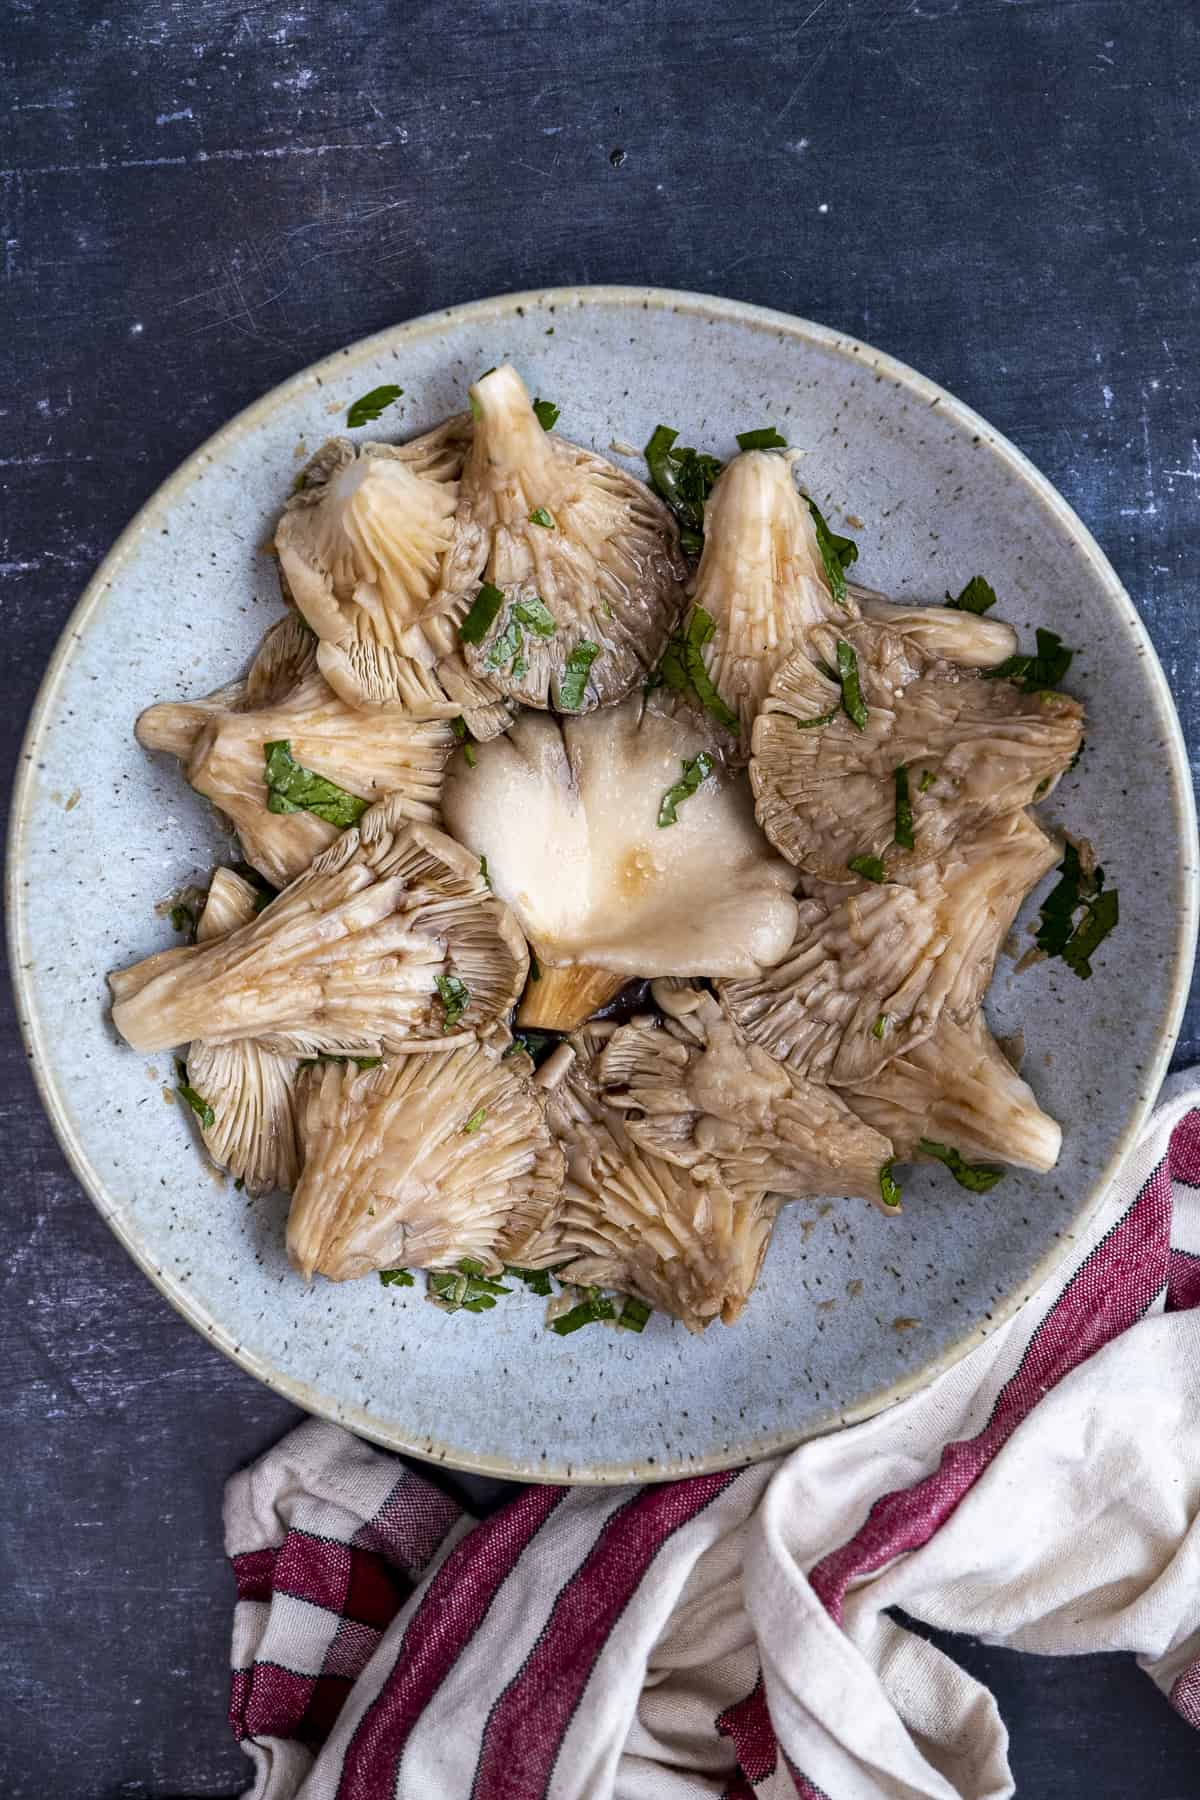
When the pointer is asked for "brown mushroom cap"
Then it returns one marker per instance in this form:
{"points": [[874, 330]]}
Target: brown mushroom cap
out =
{"points": [[607, 568], [347, 959], [419, 1163]]}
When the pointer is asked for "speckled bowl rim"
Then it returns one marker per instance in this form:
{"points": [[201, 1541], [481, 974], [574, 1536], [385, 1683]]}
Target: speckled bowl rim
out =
{"points": [[490, 312]]}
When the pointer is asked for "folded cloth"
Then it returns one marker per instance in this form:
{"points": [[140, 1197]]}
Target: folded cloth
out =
{"points": [[732, 1634]]}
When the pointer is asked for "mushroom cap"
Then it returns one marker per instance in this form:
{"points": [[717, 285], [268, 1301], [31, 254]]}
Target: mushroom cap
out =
{"points": [[360, 550], [347, 959], [724, 1105], [418, 1163], [634, 1222], [566, 813], [870, 974], [974, 749], [608, 567], [251, 1090], [369, 754], [959, 1088], [761, 580]]}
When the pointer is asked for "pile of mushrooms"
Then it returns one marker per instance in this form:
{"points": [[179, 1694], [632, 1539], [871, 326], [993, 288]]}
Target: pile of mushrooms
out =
{"points": [[509, 751]]}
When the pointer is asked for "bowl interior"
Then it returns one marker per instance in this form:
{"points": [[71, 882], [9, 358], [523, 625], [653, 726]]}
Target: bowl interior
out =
{"points": [[852, 1308]]}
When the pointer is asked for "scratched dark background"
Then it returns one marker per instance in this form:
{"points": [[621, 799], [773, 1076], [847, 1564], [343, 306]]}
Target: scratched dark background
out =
{"points": [[200, 198]]}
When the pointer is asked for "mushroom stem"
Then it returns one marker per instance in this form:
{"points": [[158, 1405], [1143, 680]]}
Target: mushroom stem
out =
{"points": [[554, 1068], [563, 998]]}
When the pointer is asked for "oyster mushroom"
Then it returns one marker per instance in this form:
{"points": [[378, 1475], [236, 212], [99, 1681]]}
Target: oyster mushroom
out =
{"points": [[696, 1093], [251, 1090], [873, 968], [968, 749], [635, 1222], [286, 655], [419, 1163], [761, 580], [391, 942], [582, 566], [360, 550], [959, 1088], [566, 813]]}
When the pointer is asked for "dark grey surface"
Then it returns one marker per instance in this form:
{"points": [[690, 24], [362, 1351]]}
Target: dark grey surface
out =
{"points": [[200, 199]]}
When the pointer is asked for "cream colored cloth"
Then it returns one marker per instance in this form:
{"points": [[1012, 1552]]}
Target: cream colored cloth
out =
{"points": [[730, 1634]]}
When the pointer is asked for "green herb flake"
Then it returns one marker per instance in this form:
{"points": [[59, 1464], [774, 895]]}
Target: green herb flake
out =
{"points": [[369, 406], [455, 997], [483, 870], [537, 615], [396, 1278], [459, 728], [536, 1280], [465, 1289], [292, 788], [197, 1102], [696, 770], [594, 1306], [573, 681], [536, 1045], [633, 1314], [239, 1184], [475, 1121], [547, 414], [926, 782], [871, 868], [853, 703], [684, 478], [766, 438], [826, 718], [183, 918], [700, 628], [264, 893], [977, 1177], [904, 837], [889, 1187], [881, 1026], [1038, 673], [976, 597], [482, 616], [837, 553], [540, 516], [1102, 916], [506, 647]]}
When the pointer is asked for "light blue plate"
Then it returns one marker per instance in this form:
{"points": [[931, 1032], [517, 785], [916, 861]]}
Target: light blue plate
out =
{"points": [[102, 833]]}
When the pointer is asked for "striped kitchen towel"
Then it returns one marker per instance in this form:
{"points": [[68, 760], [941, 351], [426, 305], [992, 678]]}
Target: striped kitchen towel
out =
{"points": [[733, 1634]]}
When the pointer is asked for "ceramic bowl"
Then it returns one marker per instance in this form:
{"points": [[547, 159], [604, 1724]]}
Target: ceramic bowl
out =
{"points": [[853, 1310]]}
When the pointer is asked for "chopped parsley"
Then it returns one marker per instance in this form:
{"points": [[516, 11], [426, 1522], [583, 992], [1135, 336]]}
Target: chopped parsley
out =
{"points": [[455, 997], [465, 1289], [594, 1306], [837, 553], [889, 1187], [978, 1177], [1077, 914], [766, 438], [536, 1280], [904, 815], [540, 516], [369, 406], [853, 703], [547, 414], [536, 1045], [475, 1121], [696, 770], [1037, 673], [482, 615], [292, 788], [684, 478], [869, 867], [880, 1028], [197, 1102], [573, 681], [700, 628], [633, 1314], [976, 597], [926, 782], [396, 1278], [537, 615], [483, 870], [826, 718], [459, 728], [183, 919], [324, 1056]]}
